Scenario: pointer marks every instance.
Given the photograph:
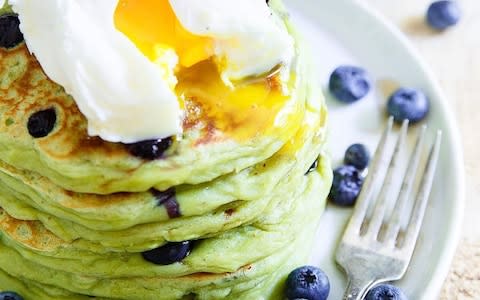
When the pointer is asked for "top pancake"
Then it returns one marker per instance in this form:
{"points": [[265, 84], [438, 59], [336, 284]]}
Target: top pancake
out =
{"points": [[219, 136]]}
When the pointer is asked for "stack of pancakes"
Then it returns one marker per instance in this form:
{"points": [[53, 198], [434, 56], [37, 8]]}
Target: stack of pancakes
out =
{"points": [[79, 215]]}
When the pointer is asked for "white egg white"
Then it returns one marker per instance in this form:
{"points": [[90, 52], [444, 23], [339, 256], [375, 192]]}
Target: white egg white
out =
{"points": [[248, 37], [124, 96]]}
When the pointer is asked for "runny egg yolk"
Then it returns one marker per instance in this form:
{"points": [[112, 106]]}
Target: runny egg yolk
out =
{"points": [[243, 112], [150, 24]]}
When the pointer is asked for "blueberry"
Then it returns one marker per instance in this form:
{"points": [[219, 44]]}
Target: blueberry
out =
{"points": [[151, 149], [385, 292], [406, 103], [443, 14], [168, 199], [169, 253], [41, 123], [307, 282], [314, 166], [347, 182], [10, 296], [10, 34], [357, 155], [348, 83]]}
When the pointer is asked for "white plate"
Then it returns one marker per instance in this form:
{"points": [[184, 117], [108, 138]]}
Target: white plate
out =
{"points": [[346, 31]]}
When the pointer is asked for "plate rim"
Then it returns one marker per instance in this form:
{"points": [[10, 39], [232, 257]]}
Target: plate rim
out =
{"points": [[453, 232], [451, 125]]}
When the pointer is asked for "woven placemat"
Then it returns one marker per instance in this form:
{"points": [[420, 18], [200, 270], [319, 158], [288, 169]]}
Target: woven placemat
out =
{"points": [[463, 282]]}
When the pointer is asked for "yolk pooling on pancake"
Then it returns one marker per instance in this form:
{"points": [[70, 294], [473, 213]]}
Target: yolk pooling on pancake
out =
{"points": [[241, 112]]}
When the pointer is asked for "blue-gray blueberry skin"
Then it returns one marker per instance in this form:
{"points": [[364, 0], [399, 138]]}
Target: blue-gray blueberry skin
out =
{"points": [[346, 186], [41, 123], [357, 155], [349, 83], [10, 296], [10, 34], [307, 282], [385, 292], [410, 104], [443, 14], [150, 149], [168, 254]]}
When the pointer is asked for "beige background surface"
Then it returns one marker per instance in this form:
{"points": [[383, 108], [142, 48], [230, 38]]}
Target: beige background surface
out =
{"points": [[454, 56]]}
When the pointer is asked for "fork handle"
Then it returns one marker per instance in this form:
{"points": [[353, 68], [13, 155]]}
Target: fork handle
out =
{"points": [[357, 287]]}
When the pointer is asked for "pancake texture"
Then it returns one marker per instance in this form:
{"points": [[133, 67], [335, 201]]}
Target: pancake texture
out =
{"points": [[76, 161], [244, 186]]}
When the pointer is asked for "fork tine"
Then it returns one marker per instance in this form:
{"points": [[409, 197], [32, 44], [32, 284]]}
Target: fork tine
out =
{"points": [[394, 224], [365, 195], [383, 198], [357, 254], [422, 197]]}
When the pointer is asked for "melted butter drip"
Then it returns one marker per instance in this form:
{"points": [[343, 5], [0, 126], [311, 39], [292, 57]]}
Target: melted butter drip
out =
{"points": [[243, 112]]}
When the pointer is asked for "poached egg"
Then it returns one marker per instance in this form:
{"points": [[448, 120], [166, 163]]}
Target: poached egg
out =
{"points": [[119, 59]]}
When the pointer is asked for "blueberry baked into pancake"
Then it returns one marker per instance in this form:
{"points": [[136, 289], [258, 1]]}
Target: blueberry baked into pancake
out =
{"points": [[156, 149]]}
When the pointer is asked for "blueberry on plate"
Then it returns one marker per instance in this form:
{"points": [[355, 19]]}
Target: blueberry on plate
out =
{"points": [[10, 296], [168, 254], [385, 292], [307, 282], [443, 14], [357, 155], [349, 83], [10, 34], [347, 182], [406, 103]]}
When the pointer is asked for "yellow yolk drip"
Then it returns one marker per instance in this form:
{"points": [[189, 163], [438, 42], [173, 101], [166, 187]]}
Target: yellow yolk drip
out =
{"points": [[150, 24], [301, 137], [241, 113]]}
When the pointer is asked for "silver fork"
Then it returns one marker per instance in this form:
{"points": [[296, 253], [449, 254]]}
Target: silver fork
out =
{"points": [[375, 250]]}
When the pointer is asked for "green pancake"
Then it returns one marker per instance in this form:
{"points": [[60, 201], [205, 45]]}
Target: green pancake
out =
{"points": [[152, 235], [213, 143], [105, 212], [229, 200]]}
